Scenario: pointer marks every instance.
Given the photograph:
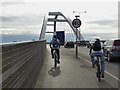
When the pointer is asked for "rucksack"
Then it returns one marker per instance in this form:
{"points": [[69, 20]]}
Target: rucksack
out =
{"points": [[55, 43], [97, 46]]}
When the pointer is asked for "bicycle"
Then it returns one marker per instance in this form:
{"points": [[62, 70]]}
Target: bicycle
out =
{"points": [[55, 58], [98, 65]]}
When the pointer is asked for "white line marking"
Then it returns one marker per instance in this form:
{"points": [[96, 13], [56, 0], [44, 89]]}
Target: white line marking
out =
{"points": [[105, 70]]}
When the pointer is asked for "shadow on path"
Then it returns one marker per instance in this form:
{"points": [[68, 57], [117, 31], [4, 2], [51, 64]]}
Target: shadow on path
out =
{"points": [[104, 84], [54, 71]]}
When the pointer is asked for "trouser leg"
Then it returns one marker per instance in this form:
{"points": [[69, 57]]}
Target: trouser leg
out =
{"points": [[92, 59], [58, 52], [52, 52]]}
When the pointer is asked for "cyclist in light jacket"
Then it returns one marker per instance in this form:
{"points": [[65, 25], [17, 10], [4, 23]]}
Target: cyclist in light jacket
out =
{"points": [[55, 45]]}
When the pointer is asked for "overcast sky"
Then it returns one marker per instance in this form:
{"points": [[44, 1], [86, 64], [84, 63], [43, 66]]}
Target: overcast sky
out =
{"points": [[26, 16]]}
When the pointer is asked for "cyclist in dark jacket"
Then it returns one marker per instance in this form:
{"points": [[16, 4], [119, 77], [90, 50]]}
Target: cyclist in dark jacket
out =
{"points": [[55, 45]]}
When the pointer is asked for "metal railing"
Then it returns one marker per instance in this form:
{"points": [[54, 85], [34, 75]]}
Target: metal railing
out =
{"points": [[21, 64]]}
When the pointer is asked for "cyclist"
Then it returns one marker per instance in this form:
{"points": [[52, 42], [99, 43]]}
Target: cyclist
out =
{"points": [[98, 49], [55, 45]]}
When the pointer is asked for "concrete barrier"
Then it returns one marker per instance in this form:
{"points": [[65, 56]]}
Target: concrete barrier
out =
{"points": [[21, 64]]}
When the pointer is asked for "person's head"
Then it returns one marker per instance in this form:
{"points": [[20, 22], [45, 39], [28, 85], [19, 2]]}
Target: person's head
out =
{"points": [[54, 37]]}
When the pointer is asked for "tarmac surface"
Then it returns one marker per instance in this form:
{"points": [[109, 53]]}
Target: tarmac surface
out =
{"points": [[72, 72]]}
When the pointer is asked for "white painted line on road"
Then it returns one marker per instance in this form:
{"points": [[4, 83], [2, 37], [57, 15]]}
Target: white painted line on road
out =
{"points": [[112, 75], [105, 70]]}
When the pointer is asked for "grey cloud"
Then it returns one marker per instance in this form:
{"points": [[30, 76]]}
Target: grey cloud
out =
{"points": [[105, 22], [8, 19], [11, 3], [102, 36], [27, 24], [21, 21]]}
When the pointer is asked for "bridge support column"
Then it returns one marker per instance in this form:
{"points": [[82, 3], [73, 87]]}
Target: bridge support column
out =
{"points": [[55, 23]]}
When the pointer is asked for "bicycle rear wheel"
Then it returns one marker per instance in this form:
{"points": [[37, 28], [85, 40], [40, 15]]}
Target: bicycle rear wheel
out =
{"points": [[55, 60], [98, 73]]}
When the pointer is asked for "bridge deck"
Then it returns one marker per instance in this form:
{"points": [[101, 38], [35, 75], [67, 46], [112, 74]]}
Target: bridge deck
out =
{"points": [[71, 73]]}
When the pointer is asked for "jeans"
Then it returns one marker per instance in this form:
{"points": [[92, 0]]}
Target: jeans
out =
{"points": [[102, 59]]}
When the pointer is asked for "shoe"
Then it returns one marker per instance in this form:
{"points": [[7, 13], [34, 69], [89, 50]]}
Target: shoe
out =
{"points": [[96, 74], [102, 76], [58, 62], [93, 65]]}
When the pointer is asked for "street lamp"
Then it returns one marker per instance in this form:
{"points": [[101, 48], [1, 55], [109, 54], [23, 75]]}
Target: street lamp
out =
{"points": [[77, 30], [79, 12]]}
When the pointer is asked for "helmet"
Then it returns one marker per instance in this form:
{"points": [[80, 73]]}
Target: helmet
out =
{"points": [[97, 39]]}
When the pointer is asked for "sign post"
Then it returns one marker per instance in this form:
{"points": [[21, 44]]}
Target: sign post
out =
{"points": [[76, 23]]}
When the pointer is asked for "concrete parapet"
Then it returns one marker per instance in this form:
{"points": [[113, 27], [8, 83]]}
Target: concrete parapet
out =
{"points": [[21, 64]]}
